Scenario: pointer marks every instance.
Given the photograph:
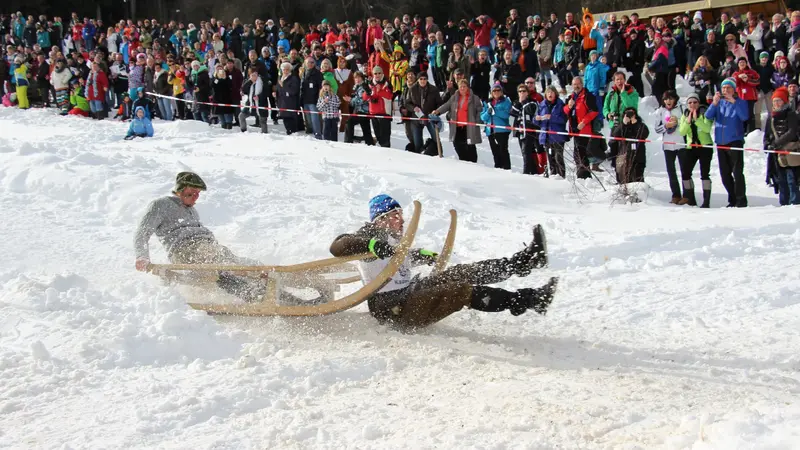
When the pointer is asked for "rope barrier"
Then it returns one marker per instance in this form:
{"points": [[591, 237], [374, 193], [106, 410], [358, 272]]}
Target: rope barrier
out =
{"points": [[457, 123]]}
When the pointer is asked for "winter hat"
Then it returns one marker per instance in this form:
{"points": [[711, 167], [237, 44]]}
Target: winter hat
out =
{"points": [[781, 93], [728, 82], [763, 55], [693, 95], [398, 48], [593, 52], [698, 15], [497, 86], [380, 205], [326, 83], [568, 33], [188, 179], [141, 56]]}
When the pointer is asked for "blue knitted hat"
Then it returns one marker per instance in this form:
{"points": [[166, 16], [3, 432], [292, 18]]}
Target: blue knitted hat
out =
{"points": [[381, 205]]}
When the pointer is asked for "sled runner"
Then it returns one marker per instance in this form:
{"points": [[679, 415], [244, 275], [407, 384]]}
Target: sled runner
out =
{"points": [[320, 276]]}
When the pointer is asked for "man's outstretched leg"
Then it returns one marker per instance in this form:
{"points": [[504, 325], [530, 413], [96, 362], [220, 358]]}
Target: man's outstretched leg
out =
{"points": [[428, 306], [490, 271]]}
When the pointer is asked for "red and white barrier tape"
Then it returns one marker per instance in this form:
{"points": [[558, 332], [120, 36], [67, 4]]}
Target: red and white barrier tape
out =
{"points": [[457, 123]]}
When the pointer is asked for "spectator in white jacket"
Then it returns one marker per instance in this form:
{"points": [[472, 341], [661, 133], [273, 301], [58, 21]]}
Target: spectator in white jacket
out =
{"points": [[666, 124]]}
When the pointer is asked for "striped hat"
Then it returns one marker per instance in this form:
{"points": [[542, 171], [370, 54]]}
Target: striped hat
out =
{"points": [[728, 82]]}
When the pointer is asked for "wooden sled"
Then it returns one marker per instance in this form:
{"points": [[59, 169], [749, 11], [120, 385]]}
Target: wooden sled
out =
{"points": [[313, 275]]}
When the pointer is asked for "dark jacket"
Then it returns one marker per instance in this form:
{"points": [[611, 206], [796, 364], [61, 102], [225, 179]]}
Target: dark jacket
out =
{"points": [[785, 123], [288, 96], [523, 114], [427, 99], [309, 89], [223, 93], [634, 153]]}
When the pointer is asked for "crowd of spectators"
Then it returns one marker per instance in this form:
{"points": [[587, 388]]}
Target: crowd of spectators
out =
{"points": [[545, 82]]}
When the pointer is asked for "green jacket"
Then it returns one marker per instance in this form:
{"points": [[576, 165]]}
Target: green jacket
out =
{"points": [[703, 125], [78, 100], [616, 102], [332, 80]]}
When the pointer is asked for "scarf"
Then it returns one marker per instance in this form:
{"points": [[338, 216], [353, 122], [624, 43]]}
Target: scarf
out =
{"points": [[92, 81]]}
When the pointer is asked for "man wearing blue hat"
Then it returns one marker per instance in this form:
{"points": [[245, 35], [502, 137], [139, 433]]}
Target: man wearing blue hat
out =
{"points": [[415, 303]]}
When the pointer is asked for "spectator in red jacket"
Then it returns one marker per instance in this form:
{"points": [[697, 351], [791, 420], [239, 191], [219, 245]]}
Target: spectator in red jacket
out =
{"points": [[380, 104], [747, 82], [482, 26], [581, 109], [96, 88]]}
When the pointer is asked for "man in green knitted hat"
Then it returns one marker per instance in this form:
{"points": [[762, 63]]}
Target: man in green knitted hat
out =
{"points": [[174, 220]]}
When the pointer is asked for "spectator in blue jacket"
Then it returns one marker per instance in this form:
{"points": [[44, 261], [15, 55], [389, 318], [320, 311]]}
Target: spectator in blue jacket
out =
{"points": [[140, 126], [551, 120], [495, 115], [89, 31], [594, 78], [729, 114]]}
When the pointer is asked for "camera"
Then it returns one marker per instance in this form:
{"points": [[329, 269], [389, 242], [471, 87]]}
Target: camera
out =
{"points": [[630, 114]]}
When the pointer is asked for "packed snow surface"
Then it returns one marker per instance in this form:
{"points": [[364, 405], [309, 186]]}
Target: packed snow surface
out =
{"points": [[674, 327]]}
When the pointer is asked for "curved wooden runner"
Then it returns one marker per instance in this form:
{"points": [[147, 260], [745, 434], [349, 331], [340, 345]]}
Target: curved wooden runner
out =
{"points": [[447, 248], [270, 308]]}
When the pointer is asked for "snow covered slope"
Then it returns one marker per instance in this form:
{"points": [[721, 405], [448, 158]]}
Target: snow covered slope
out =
{"points": [[674, 327]]}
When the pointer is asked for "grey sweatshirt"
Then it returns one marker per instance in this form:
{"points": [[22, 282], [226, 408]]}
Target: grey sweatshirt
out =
{"points": [[172, 222]]}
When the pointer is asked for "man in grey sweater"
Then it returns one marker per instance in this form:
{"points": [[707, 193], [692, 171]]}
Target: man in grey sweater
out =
{"points": [[176, 223]]}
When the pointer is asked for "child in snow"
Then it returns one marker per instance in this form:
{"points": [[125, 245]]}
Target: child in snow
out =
{"points": [[21, 80], [140, 126], [80, 105], [125, 110], [328, 104], [666, 124]]}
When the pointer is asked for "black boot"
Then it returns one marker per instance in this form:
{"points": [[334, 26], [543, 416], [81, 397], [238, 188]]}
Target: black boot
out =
{"points": [[706, 194], [537, 299], [534, 256], [490, 299]]}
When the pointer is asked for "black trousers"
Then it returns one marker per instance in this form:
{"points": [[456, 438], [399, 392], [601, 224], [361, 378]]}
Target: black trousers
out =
{"points": [[383, 131], [528, 147], [555, 158], [731, 170], [465, 152], [692, 157], [366, 129], [499, 144], [581, 156], [330, 129], [670, 156], [290, 123]]}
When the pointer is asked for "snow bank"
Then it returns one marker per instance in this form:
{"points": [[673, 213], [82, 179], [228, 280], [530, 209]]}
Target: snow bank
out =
{"points": [[674, 327]]}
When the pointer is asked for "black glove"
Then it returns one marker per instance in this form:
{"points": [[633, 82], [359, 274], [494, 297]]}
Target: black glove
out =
{"points": [[381, 249]]}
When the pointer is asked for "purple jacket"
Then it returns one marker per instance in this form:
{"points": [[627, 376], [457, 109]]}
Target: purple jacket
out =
{"points": [[136, 76], [557, 122], [780, 79]]}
